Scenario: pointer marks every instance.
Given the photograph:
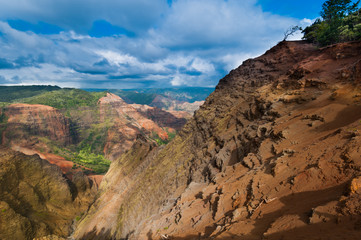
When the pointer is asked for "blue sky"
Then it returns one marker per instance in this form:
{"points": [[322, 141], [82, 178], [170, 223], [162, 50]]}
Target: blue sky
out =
{"points": [[139, 43]]}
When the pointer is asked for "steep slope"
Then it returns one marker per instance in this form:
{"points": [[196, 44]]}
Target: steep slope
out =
{"points": [[129, 122], [170, 119], [273, 153], [36, 199], [84, 128], [26, 119]]}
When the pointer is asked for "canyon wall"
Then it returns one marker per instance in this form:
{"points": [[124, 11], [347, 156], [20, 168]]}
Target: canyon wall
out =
{"points": [[273, 153]]}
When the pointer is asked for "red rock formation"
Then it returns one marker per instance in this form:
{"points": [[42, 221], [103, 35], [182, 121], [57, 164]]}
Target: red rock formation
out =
{"points": [[131, 120], [274, 153], [169, 119], [25, 120]]}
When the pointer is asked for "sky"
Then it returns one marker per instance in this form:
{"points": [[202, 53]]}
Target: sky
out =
{"points": [[139, 43]]}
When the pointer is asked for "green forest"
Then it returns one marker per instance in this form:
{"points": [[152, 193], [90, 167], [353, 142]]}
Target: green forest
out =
{"points": [[340, 22]]}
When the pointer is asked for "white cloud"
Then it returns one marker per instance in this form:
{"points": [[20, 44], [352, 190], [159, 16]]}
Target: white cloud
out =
{"points": [[194, 42], [177, 81], [117, 58]]}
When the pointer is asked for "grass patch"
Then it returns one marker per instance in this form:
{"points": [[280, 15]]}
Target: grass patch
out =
{"points": [[88, 159]]}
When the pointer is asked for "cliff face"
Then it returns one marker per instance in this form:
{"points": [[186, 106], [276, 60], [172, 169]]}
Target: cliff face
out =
{"points": [[130, 120], [24, 121], [165, 119], [36, 199], [273, 153]]}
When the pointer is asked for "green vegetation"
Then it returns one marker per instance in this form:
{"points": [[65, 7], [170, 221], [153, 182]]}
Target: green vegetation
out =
{"points": [[3, 122], [94, 137], [66, 98], [147, 95], [341, 22], [82, 156], [88, 159], [160, 141], [11, 93], [135, 97]]}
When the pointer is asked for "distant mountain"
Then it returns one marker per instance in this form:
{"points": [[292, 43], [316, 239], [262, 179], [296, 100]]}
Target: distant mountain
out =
{"points": [[185, 94], [180, 99], [147, 95], [11, 93]]}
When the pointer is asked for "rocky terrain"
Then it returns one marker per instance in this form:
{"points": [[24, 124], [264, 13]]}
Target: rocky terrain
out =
{"points": [[38, 120], [274, 153], [110, 127], [36, 199], [131, 120], [42, 194]]}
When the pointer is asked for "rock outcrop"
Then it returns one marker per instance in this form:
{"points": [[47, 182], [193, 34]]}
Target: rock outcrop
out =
{"points": [[36, 200], [165, 119], [26, 120], [130, 120], [274, 153]]}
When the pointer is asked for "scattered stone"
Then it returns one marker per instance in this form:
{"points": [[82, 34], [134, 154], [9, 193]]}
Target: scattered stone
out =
{"points": [[251, 161], [324, 213], [355, 186], [314, 117], [178, 218], [309, 83], [239, 213]]}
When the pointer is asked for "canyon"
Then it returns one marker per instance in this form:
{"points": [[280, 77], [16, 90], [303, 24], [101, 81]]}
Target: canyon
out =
{"points": [[273, 153]]}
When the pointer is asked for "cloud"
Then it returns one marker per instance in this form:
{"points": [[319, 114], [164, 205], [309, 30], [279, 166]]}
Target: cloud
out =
{"points": [[79, 15], [114, 44]]}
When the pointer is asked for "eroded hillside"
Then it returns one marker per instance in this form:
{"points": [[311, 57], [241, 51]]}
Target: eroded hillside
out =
{"points": [[36, 199], [83, 131], [274, 153]]}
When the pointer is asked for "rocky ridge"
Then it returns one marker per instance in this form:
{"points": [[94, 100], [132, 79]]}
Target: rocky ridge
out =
{"points": [[273, 153], [36, 199], [130, 120]]}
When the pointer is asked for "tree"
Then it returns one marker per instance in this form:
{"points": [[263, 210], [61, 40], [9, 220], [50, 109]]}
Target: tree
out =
{"points": [[334, 10], [290, 31], [341, 22]]}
